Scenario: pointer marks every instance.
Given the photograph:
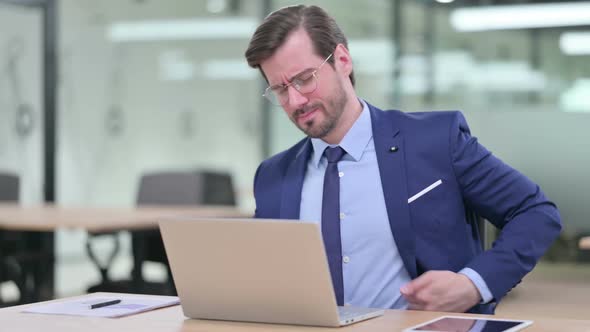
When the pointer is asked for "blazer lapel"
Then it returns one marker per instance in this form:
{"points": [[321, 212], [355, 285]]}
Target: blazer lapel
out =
{"points": [[389, 146], [293, 183]]}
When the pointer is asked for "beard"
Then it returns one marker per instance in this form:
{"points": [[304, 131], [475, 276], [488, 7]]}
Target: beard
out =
{"points": [[332, 111]]}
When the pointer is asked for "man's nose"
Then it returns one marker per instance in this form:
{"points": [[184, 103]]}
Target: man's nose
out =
{"points": [[296, 98]]}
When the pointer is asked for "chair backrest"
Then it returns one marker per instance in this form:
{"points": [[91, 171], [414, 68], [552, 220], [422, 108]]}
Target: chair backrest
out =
{"points": [[177, 188], [9, 187], [479, 226], [9, 192], [186, 188]]}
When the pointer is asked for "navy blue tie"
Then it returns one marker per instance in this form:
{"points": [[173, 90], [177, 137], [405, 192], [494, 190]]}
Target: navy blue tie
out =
{"points": [[331, 220]]}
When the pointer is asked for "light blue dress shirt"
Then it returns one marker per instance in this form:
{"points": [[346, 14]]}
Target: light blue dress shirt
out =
{"points": [[373, 270]]}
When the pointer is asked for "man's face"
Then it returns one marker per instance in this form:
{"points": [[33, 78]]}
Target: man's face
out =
{"points": [[316, 113]]}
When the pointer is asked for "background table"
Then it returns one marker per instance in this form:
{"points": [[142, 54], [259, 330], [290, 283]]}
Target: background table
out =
{"points": [[41, 221], [99, 219]]}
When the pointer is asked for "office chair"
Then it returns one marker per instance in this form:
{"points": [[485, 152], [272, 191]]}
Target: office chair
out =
{"points": [[174, 188], [11, 243], [161, 188], [479, 227]]}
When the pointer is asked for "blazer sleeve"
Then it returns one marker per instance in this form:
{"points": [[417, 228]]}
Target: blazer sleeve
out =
{"points": [[267, 189], [529, 222], [255, 189]]}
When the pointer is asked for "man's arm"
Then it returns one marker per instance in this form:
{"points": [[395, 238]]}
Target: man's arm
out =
{"points": [[509, 200]]}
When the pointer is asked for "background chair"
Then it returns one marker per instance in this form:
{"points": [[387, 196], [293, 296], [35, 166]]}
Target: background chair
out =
{"points": [[479, 227], [174, 188], [11, 243], [180, 188]]}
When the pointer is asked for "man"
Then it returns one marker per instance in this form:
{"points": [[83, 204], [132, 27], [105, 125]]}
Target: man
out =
{"points": [[393, 196]]}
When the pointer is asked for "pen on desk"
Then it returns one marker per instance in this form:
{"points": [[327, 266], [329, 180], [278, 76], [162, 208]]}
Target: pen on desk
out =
{"points": [[104, 304]]}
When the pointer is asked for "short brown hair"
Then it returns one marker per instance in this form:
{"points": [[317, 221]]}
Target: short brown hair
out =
{"points": [[325, 34]]}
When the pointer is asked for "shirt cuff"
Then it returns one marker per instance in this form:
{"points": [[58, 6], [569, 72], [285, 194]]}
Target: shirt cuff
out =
{"points": [[478, 326], [480, 284]]}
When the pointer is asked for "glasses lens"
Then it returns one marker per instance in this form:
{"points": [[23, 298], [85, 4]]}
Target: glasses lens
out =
{"points": [[306, 83], [272, 97]]}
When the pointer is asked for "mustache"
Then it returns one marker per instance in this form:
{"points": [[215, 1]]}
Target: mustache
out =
{"points": [[300, 111]]}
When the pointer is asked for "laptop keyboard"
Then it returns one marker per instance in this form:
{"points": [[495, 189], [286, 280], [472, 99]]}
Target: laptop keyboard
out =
{"points": [[351, 312]]}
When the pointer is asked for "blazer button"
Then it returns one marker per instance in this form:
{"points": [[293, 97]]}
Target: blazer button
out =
{"points": [[393, 149]]}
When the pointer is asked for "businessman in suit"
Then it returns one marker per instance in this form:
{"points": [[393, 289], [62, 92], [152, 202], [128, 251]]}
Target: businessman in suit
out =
{"points": [[390, 189]]}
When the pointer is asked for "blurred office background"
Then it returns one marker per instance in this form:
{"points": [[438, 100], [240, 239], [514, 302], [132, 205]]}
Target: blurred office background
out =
{"points": [[131, 86]]}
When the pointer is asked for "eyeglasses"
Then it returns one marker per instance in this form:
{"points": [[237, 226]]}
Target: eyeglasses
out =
{"points": [[305, 82]]}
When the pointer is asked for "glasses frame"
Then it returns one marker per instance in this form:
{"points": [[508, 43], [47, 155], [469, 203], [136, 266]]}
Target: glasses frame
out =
{"points": [[271, 96]]}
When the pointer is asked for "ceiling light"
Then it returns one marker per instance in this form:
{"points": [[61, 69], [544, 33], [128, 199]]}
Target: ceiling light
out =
{"points": [[575, 43], [189, 29], [521, 16]]}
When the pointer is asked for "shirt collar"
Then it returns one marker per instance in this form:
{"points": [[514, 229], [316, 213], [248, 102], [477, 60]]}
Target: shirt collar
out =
{"points": [[354, 142]]}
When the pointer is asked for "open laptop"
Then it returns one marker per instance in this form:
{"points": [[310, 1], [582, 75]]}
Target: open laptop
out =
{"points": [[256, 270]]}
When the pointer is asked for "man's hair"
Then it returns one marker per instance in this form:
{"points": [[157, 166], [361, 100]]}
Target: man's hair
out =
{"points": [[325, 34]]}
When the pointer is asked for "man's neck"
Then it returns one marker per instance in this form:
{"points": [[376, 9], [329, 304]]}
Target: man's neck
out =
{"points": [[352, 111]]}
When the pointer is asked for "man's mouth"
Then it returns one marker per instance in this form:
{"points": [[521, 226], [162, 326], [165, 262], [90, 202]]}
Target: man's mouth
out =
{"points": [[306, 113]]}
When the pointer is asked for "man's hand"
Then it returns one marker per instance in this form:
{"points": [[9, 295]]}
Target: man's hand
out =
{"points": [[441, 291]]}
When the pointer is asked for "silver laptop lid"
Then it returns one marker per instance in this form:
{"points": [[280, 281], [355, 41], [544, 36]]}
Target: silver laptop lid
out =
{"points": [[272, 271]]}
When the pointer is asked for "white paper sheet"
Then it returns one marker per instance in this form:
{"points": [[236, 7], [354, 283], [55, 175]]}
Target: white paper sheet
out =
{"points": [[129, 305]]}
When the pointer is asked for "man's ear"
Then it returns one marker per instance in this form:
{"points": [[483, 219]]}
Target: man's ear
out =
{"points": [[342, 60]]}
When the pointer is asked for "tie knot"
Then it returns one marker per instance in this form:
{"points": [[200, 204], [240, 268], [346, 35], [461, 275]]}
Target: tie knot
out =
{"points": [[334, 154]]}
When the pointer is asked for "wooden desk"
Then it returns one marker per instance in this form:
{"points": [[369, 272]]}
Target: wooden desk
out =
{"points": [[172, 319], [552, 290], [43, 220], [584, 243]]}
